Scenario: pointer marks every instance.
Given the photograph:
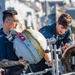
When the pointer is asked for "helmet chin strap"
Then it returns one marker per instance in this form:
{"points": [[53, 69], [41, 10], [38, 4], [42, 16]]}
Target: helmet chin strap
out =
{"points": [[12, 35]]}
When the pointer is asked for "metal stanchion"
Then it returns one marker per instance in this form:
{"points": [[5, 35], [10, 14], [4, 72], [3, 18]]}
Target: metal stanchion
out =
{"points": [[56, 60], [53, 68], [53, 48]]}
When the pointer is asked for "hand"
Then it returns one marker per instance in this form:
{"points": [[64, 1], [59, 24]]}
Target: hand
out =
{"points": [[22, 62], [2, 72], [48, 59], [50, 63], [65, 46]]}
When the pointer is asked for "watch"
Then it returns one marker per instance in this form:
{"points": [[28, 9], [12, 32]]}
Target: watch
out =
{"points": [[47, 51]]}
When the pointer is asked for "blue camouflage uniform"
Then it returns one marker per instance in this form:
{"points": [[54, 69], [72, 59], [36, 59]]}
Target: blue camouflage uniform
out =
{"points": [[6, 48], [7, 51], [48, 32]]}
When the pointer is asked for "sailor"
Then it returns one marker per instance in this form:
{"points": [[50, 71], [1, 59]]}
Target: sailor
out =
{"points": [[61, 31], [7, 53]]}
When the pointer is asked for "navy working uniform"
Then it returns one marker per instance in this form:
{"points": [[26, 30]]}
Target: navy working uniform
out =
{"points": [[48, 32], [7, 51]]}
